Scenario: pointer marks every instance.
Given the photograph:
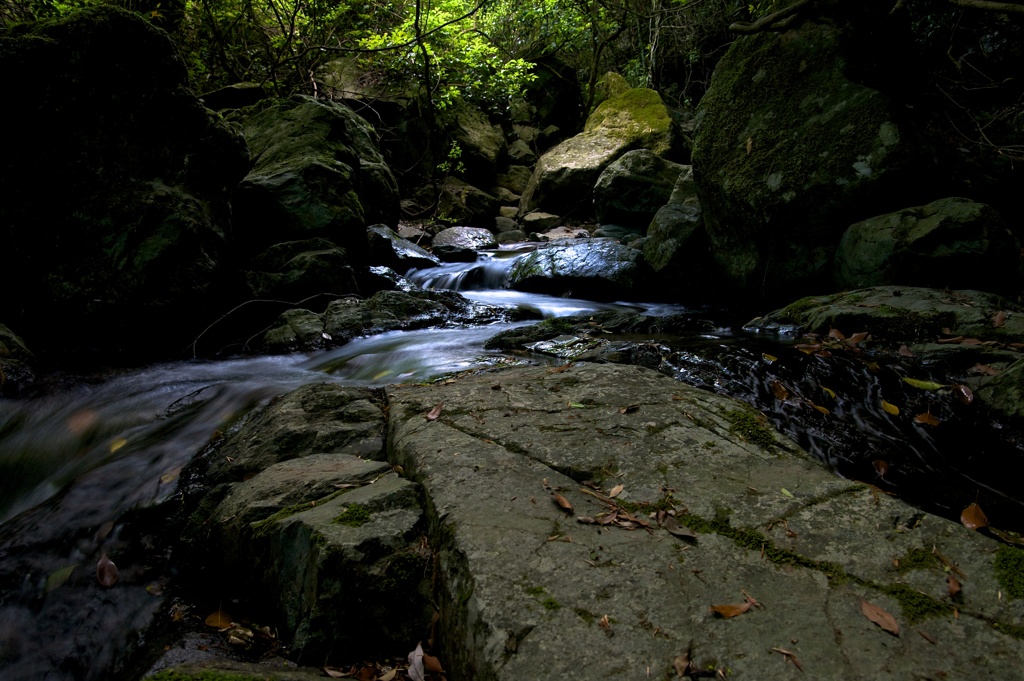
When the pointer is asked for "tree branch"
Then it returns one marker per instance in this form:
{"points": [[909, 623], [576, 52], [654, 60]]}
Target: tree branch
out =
{"points": [[773, 21]]}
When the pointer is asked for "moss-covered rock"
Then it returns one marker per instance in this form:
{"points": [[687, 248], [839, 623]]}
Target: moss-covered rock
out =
{"points": [[951, 243], [316, 174], [632, 189], [564, 177], [800, 134], [116, 185]]}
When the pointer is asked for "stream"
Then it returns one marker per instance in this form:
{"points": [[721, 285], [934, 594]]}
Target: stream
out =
{"points": [[84, 466]]}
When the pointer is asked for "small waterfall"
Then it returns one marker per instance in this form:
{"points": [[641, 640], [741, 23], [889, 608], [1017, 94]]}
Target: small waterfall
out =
{"points": [[489, 272]]}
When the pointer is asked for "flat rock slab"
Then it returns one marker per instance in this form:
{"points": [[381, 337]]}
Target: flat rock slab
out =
{"points": [[527, 591]]}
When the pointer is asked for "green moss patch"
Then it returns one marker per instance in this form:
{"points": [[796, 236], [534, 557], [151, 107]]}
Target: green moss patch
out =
{"points": [[752, 427], [354, 515], [1009, 565]]}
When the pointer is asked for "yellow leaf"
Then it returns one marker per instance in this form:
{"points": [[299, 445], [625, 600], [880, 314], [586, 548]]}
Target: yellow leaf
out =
{"points": [[923, 385], [218, 620], [890, 408], [828, 391], [117, 444], [768, 358]]}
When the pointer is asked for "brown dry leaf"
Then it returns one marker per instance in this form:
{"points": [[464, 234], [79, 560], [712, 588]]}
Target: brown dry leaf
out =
{"points": [[1006, 536], [858, 337], [604, 622], [963, 393], [998, 319], [560, 369], [808, 348], [682, 665], [926, 419], [789, 657], [432, 664], [954, 586], [615, 491], [727, 611], [983, 370], [881, 467], [106, 572], [780, 391], [926, 637], [905, 351], [973, 518], [955, 339], [629, 409], [218, 620], [880, 617], [836, 334], [562, 502], [750, 145], [435, 412], [673, 526]]}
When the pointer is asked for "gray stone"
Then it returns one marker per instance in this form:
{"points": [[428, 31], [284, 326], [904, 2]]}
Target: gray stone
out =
{"points": [[390, 250], [515, 179], [521, 153], [297, 270], [503, 224], [463, 203], [512, 236], [460, 244], [677, 247], [602, 268], [950, 243], [482, 143], [510, 212], [539, 221], [527, 590], [505, 196], [295, 330], [526, 133], [564, 177], [632, 188]]}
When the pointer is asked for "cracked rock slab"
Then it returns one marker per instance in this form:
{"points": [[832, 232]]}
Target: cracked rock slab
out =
{"points": [[526, 590]]}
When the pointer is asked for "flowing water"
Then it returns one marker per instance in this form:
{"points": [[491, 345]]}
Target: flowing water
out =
{"points": [[75, 462]]}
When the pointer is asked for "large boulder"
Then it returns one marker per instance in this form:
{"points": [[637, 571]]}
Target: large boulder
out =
{"points": [[563, 180], [115, 219], [799, 135], [676, 247], [316, 174], [460, 244], [295, 270], [465, 204], [600, 269], [390, 250], [481, 144], [950, 243], [632, 189]]}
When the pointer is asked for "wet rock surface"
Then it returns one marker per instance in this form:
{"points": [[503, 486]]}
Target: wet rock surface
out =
{"points": [[529, 591]]}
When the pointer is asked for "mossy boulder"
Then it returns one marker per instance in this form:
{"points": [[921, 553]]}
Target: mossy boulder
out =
{"points": [[676, 247], [296, 270], [632, 189], [465, 204], [564, 178], [800, 134], [316, 174], [482, 144], [950, 243], [116, 182]]}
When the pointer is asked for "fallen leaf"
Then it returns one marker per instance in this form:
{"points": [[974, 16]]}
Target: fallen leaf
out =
{"points": [[836, 334], [727, 611], [435, 412], [750, 145], [334, 673], [880, 617], [922, 385], [998, 319], [416, 672], [560, 369], [117, 444], [106, 572], [629, 409], [1014, 539], [963, 393], [389, 676], [57, 578], [973, 518], [983, 370], [561, 501], [926, 637], [170, 476], [953, 585], [780, 391], [432, 664], [604, 622], [926, 419], [890, 408], [615, 491], [769, 358], [576, 405], [682, 665], [828, 391], [823, 410], [787, 493], [789, 657], [905, 351], [673, 526], [881, 467], [858, 337], [218, 620]]}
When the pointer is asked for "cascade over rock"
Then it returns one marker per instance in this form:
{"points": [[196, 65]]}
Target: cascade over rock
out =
{"points": [[799, 135]]}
